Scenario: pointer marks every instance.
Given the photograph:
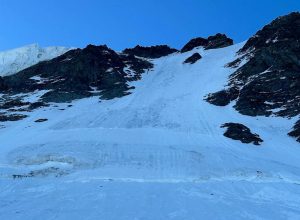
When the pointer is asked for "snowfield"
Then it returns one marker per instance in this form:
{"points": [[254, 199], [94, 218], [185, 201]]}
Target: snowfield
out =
{"points": [[156, 154]]}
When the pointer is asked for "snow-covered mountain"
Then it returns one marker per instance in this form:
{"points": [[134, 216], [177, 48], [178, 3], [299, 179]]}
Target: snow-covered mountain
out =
{"points": [[156, 133], [13, 61]]}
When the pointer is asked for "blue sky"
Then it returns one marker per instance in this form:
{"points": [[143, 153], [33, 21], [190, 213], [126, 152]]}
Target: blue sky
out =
{"points": [[125, 23]]}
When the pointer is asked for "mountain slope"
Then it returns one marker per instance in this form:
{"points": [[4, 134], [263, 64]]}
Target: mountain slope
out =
{"points": [[79, 73], [163, 134], [156, 153], [13, 61]]}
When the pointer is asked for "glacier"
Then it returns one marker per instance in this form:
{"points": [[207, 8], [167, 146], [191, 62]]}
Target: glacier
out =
{"points": [[158, 153]]}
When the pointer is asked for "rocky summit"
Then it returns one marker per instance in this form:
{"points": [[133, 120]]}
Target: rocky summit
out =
{"points": [[212, 42]]}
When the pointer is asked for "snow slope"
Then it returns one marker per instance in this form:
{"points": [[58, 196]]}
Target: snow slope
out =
{"points": [[158, 153], [15, 60]]}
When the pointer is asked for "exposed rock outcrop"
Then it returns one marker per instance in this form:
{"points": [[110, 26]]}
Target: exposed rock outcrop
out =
{"points": [[269, 82], [193, 59], [11, 117], [41, 120], [223, 97], [49, 171], [242, 133], [13, 103]]}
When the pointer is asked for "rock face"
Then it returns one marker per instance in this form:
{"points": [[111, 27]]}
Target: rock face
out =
{"points": [[223, 97], [271, 77], [79, 73], [269, 82], [212, 42], [242, 133], [150, 52], [193, 59]]}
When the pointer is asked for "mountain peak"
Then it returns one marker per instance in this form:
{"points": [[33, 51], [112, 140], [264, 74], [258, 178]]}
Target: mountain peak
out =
{"points": [[15, 60], [212, 42]]}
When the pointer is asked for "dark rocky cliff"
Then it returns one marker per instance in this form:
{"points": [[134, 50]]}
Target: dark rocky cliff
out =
{"points": [[269, 82]]}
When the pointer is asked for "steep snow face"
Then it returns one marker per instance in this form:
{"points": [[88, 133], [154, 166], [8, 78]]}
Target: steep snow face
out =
{"points": [[158, 153], [13, 61]]}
